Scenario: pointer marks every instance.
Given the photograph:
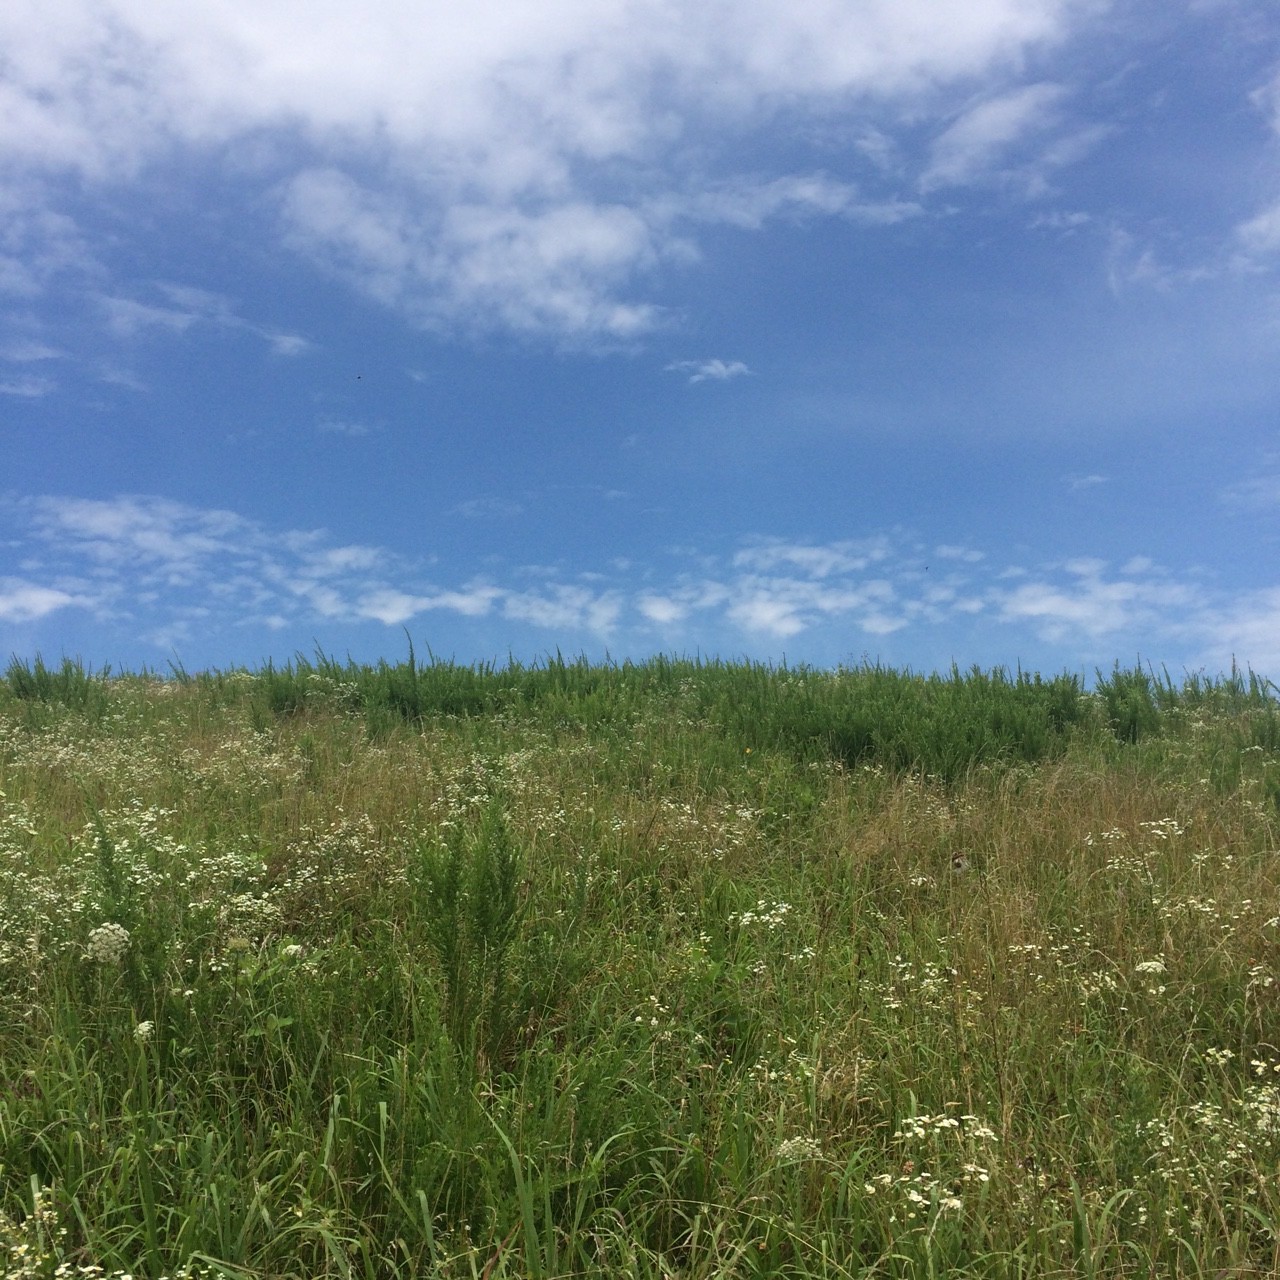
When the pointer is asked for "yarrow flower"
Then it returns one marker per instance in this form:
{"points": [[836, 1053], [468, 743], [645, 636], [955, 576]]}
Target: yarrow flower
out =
{"points": [[108, 943], [143, 1032], [1150, 966]]}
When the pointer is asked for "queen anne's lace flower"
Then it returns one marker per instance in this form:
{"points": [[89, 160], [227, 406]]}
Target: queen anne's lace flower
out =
{"points": [[800, 1149], [108, 943]]}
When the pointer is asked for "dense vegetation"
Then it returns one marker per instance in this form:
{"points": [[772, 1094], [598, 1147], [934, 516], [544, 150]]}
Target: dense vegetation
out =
{"points": [[674, 969]]}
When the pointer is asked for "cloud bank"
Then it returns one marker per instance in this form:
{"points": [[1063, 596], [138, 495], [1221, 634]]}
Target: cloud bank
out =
{"points": [[171, 572], [520, 164]]}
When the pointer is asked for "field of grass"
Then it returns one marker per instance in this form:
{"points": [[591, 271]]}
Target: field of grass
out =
{"points": [[679, 969]]}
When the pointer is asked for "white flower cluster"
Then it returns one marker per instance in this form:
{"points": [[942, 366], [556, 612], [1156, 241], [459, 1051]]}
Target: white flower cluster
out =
{"points": [[1163, 828], [800, 1149], [915, 1127], [143, 1032], [770, 914], [108, 943]]}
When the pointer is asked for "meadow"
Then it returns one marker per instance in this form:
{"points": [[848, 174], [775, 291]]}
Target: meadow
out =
{"points": [[676, 970]]}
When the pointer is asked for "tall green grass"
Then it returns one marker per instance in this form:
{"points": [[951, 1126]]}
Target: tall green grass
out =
{"points": [[672, 969]]}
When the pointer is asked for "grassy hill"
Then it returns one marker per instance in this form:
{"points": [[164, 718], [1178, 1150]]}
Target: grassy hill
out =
{"points": [[675, 969]]}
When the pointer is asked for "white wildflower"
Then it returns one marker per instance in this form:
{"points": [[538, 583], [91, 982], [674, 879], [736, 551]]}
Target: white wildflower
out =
{"points": [[143, 1032], [108, 943], [1150, 966], [800, 1149]]}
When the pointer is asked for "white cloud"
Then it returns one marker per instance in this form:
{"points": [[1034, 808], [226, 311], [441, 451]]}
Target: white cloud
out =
{"points": [[185, 307], [1248, 631], [1267, 100], [1061, 220], [1088, 603], [150, 533], [22, 601], [27, 387], [661, 609], [545, 271], [708, 370], [1256, 493], [392, 608], [171, 571], [751, 203], [489, 509], [1261, 233], [968, 555], [27, 351], [337, 427], [980, 140], [763, 611], [37, 243], [564, 607], [817, 561], [472, 602], [521, 163]]}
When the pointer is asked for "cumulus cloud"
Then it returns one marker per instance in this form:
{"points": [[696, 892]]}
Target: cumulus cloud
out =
{"points": [[523, 164]]}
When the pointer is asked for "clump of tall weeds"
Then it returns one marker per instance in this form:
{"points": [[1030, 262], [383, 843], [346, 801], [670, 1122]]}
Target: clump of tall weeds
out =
{"points": [[469, 895]]}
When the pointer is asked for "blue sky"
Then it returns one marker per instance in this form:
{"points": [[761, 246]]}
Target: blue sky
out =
{"points": [[798, 329]]}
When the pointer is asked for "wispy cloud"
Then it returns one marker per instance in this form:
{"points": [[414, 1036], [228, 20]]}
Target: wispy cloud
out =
{"points": [[816, 560], [1267, 99], [1260, 235], [28, 351], [340, 427], [1256, 493], [38, 243], [167, 570], [1082, 598], [489, 509], [708, 370], [751, 203], [27, 387], [184, 307], [967, 555], [977, 145]]}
